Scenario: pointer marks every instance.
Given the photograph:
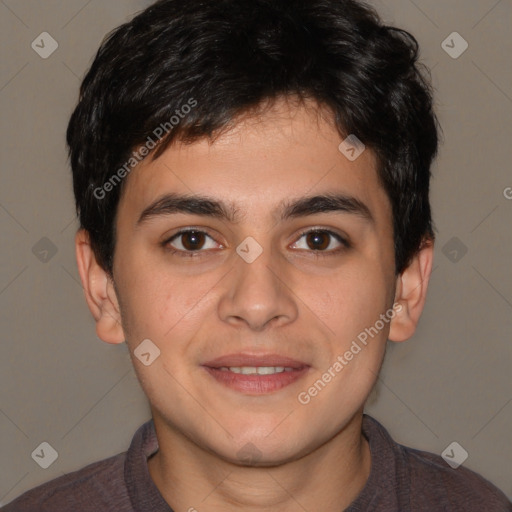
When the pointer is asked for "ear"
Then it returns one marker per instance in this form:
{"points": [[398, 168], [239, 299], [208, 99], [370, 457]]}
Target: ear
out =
{"points": [[411, 293], [99, 291]]}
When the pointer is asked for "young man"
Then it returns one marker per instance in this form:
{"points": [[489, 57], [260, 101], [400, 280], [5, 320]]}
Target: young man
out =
{"points": [[252, 182]]}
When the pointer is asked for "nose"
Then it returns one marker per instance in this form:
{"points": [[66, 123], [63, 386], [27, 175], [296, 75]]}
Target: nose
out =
{"points": [[258, 294]]}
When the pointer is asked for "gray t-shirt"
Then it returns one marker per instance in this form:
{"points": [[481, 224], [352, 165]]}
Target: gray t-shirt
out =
{"points": [[401, 479]]}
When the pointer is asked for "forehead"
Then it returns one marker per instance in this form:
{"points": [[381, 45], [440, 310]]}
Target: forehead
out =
{"points": [[285, 151]]}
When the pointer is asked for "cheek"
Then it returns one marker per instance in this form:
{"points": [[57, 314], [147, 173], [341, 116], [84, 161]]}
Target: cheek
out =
{"points": [[165, 307], [348, 301]]}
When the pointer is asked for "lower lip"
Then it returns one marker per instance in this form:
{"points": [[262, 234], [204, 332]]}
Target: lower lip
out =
{"points": [[256, 384]]}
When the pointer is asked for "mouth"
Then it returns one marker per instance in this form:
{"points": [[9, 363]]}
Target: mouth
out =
{"points": [[256, 374]]}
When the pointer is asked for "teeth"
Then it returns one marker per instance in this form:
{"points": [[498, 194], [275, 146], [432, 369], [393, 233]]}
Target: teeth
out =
{"points": [[260, 370], [269, 370]]}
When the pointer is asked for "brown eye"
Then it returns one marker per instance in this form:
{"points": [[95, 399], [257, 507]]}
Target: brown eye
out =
{"points": [[318, 240], [193, 240], [321, 242]]}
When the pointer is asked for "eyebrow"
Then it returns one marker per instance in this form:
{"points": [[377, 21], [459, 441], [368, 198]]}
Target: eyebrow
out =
{"points": [[169, 204]]}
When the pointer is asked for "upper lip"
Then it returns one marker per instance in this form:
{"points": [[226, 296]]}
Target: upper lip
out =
{"points": [[256, 360]]}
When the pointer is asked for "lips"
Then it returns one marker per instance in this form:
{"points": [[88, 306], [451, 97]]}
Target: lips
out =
{"points": [[240, 360], [237, 372]]}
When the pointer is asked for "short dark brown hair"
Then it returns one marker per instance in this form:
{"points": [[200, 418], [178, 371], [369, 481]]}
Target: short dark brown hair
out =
{"points": [[226, 57]]}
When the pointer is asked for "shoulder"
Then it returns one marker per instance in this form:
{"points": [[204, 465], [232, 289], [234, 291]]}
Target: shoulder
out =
{"points": [[432, 479], [409, 479], [91, 488]]}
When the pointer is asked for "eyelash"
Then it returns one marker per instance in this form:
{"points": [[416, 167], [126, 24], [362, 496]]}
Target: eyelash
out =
{"points": [[318, 253]]}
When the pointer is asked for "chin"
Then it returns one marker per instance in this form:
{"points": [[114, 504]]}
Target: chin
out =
{"points": [[255, 448], [259, 454]]}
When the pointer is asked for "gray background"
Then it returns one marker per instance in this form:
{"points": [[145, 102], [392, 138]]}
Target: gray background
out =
{"points": [[60, 384]]}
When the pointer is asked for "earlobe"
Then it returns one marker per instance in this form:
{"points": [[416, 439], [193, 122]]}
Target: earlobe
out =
{"points": [[99, 291], [411, 293]]}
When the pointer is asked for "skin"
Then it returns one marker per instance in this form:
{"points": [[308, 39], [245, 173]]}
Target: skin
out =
{"points": [[292, 300]]}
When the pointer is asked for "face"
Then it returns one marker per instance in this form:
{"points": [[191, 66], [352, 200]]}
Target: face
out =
{"points": [[288, 262]]}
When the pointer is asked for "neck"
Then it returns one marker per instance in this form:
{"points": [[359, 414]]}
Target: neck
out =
{"points": [[328, 479]]}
